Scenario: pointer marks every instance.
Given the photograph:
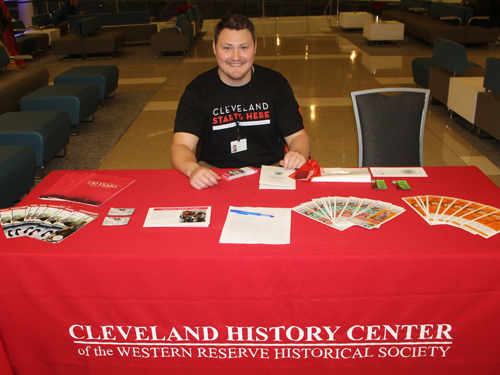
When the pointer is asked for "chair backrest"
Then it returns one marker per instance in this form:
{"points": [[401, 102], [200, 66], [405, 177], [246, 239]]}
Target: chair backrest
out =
{"points": [[4, 58], [87, 26], [196, 11], [181, 23], [41, 20], [189, 16], [449, 55], [492, 75], [390, 127], [18, 24]]}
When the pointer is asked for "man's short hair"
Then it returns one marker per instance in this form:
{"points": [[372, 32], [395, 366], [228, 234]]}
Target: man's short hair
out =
{"points": [[234, 22]]}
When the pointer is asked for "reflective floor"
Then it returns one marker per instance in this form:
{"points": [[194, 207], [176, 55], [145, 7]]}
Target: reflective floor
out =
{"points": [[322, 67]]}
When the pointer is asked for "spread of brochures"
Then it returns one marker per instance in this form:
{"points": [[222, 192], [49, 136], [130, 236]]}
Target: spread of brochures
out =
{"points": [[257, 225], [44, 222], [343, 175], [398, 172], [197, 216], [276, 178], [471, 216], [344, 212], [87, 188]]}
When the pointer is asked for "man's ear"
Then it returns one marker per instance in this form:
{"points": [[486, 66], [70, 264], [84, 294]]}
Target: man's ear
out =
{"points": [[255, 45], [213, 45]]}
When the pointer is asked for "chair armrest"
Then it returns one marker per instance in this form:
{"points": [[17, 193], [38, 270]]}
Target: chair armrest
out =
{"points": [[478, 18], [451, 18], [173, 28]]}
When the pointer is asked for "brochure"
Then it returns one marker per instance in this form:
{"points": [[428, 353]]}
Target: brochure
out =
{"points": [[344, 212], [44, 222], [344, 175], [87, 188], [237, 173], [470, 216], [276, 178], [198, 216]]}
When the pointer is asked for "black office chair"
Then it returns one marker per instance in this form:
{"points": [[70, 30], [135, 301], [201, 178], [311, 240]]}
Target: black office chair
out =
{"points": [[390, 125]]}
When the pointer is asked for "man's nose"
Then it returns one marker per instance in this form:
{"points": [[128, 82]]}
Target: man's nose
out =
{"points": [[236, 54]]}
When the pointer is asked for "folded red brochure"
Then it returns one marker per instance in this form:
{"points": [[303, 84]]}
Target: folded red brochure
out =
{"points": [[92, 188]]}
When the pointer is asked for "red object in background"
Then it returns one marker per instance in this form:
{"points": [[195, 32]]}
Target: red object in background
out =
{"points": [[9, 38], [183, 9]]}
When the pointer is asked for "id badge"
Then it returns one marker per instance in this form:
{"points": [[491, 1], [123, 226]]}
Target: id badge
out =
{"points": [[238, 146]]}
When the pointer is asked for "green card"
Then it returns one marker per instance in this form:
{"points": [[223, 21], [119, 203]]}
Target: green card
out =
{"points": [[401, 185], [379, 184]]}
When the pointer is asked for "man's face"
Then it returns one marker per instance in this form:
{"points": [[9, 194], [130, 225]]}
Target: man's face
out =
{"points": [[235, 52]]}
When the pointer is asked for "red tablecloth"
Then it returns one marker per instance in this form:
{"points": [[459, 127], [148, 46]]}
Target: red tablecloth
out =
{"points": [[405, 298]]}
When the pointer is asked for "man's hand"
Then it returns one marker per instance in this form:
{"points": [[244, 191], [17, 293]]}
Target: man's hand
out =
{"points": [[184, 160], [293, 160], [300, 150], [202, 178]]}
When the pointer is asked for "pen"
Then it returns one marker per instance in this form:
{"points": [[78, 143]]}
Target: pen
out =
{"points": [[249, 213]]}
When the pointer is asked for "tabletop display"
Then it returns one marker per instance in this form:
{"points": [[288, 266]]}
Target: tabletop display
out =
{"points": [[166, 279]]}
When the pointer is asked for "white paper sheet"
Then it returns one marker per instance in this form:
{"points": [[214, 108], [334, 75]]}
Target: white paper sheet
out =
{"points": [[344, 175], [250, 229], [398, 172]]}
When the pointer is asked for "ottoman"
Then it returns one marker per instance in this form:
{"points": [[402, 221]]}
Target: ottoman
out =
{"points": [[17, 173], [79, 101], [421, 68], [26, 45], [45, 132], [105, 77]]}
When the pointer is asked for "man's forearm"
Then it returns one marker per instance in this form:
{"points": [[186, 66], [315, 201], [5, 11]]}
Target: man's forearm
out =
{"points": [[183, 159], [301, 144]]}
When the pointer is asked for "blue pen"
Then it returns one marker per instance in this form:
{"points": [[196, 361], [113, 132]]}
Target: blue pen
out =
{"points": [[249, 213]]}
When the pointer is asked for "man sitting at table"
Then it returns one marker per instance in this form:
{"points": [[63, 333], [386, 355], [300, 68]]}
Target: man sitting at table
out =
{"points": [[237, 114]]}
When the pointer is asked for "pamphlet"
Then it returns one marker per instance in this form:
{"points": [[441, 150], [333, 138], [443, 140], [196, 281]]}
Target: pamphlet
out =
{"points": [[276, 178], [198, 216], [344, 212], [473, 217], [237, 173], [344, 175], [44, 222], [86, 188]]}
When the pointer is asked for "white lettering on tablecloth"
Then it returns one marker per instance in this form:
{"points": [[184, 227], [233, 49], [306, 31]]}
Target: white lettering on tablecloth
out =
{"points": [[270, 343]]}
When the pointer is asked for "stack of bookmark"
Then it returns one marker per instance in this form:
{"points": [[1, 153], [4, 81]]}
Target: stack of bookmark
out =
{"points": [[471, 216], [344, 212]]}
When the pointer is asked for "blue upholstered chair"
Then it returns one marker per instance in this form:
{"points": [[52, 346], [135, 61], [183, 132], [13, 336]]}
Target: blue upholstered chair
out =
{"points": [[198, 19], [171, 39], [487, 117], [17, 173], [451, 61]]}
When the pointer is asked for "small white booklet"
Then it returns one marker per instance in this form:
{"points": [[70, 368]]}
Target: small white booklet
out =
{"points": [[398, 172], [344, 175], [257, 225], [276, 178], [178, 216]]}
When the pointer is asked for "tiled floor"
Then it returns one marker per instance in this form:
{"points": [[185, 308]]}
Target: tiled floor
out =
{"points": [[322, 68]]}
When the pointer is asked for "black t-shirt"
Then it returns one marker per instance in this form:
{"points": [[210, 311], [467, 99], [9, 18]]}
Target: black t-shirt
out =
{"points": [[261, 112]]}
